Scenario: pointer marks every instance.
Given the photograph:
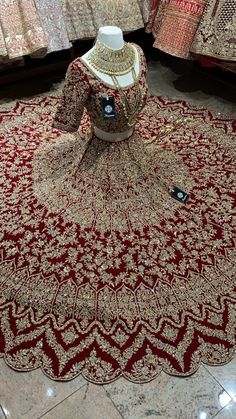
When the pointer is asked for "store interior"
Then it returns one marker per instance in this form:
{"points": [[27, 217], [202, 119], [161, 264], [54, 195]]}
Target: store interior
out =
{"points": [[116, 300]]}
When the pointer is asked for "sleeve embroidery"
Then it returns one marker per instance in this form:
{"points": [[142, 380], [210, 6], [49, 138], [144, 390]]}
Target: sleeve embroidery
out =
{"points": [[74, 96]]}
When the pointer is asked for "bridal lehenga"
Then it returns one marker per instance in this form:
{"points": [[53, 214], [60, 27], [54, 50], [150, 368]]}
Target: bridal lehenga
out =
{"points": [[102, 272]]}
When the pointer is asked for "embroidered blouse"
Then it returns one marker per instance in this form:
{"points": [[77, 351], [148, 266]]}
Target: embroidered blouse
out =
{"points": [[83, 89]]}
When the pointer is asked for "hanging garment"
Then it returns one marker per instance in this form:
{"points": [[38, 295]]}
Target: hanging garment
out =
{"points": [[145, 7], [216, 35], [159, 7], [51, 15], [21, 27], [84, 17], [174, 23]]}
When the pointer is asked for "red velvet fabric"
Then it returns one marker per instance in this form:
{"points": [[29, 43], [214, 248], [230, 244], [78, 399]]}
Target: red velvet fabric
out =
{"points": [[134, 282]]}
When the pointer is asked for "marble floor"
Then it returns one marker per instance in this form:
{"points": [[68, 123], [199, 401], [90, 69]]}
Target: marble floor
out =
{"points": [[209, 393], [180, 80]]}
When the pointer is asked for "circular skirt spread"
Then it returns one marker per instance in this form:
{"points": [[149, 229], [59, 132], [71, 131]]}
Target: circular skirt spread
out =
{"points": [[102, 272]]}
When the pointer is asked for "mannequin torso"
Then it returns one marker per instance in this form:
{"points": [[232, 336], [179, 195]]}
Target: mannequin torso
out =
{"points": [[112, 37], [109, 83]]}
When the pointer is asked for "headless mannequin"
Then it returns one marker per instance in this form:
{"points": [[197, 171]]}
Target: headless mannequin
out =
{"points": [[112, 37]]}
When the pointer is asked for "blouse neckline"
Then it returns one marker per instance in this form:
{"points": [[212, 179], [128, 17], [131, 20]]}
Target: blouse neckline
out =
{"points": [[111, 85]]}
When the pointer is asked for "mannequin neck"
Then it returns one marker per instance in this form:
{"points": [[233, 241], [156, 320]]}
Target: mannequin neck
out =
{"points": [[111, 36], [98, 60]]}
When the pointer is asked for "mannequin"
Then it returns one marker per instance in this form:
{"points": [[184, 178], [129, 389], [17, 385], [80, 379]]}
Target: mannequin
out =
{"points": [[112, 37], [109, 81]]}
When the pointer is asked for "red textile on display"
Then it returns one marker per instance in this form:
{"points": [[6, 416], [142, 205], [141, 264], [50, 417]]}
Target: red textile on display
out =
{"points": [[173, 24], [102, 272]]}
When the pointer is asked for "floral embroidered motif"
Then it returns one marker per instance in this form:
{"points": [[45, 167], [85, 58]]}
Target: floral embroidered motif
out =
{"points": [[85, 17], [174, 24], [21, 28], [51, 15], [138, 284], [106, 186], [83, 89], [216, 35]]}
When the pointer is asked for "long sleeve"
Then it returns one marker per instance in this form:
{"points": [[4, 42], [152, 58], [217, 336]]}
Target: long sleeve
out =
{"points": [[75, 94]]}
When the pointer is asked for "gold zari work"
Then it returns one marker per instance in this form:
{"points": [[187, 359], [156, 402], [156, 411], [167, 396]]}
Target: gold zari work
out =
{"points": [[110, 61], [84, 89], [102, 272], [216, 34], [132, 110], [85, 17]]}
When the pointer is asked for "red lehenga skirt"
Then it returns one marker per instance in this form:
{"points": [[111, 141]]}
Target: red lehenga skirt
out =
{"points": [[102, 272], [174, 24]]}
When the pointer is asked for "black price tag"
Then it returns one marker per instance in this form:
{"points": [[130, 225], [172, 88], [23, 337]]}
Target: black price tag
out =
{"points": [[108, 107], [178, 194]]}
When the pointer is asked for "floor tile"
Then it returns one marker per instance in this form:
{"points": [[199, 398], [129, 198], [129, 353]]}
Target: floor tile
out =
{"points": [[90, 402], [29, 395], [229, 412], [195, 397], [226, 376]]}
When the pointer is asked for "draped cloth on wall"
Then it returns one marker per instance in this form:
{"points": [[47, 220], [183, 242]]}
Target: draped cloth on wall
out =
{"points": [[85, 17], [174, 23], [216, 34], [51, 15], [21, 28], [101, 271]]}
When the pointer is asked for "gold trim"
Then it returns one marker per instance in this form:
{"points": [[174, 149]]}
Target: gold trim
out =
{"points": [[112, 62]]}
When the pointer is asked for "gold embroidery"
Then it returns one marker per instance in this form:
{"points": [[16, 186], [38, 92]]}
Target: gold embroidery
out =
{"points": [[83, 89], [174, 24], [135, 298], [107, 186], [215, 36], [112, 61], [83, 18]]}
